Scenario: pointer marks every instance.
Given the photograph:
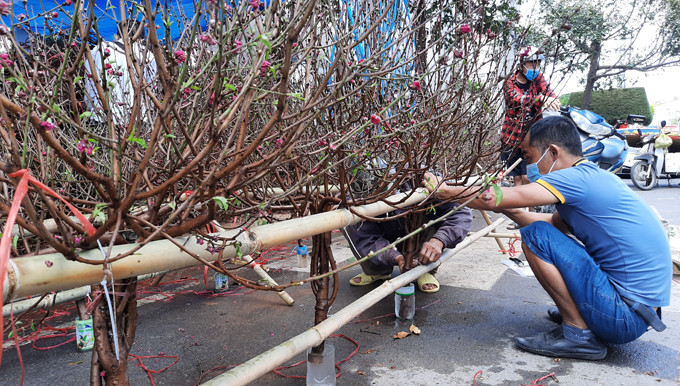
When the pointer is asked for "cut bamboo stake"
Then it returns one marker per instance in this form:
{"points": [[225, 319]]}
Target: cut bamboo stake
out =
{"points": [[264, 275], [505, 235], [265, 362], [498, 240]]}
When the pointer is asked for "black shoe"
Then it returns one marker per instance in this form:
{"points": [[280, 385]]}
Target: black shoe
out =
{"points": [[554, 315], [554, 344]]}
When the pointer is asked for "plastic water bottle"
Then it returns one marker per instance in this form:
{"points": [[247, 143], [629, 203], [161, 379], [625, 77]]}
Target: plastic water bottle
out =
{"points": [[405, 302], [321, 368], [84, 334], [301, 251], [221, 282]]}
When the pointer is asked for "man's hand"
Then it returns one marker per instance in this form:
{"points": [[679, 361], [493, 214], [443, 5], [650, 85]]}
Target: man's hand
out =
{"points": [[401, 263], [431, 251], [434, 184]]}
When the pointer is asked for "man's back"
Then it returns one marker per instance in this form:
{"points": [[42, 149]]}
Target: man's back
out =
{"points": [[619, 230]]}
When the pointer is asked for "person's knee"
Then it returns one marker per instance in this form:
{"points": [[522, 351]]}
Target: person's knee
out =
{"points": [[537, 238]]}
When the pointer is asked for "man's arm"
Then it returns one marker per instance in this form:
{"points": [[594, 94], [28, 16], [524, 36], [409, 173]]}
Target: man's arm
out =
{"points": [[521, 196], [523, 217], [549, 100], [369, 236]]}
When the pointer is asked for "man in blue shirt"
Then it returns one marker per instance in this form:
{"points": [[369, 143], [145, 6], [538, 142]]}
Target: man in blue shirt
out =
{"points": [[608, 286]]}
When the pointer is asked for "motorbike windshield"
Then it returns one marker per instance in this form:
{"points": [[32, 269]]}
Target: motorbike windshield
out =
{"points": [[590, 122]]}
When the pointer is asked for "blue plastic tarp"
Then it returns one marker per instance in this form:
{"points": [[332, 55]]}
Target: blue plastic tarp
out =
{"points": [[107, 13]]}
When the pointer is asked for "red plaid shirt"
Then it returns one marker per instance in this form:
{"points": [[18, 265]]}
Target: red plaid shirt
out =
{"points": [[522, 108]]}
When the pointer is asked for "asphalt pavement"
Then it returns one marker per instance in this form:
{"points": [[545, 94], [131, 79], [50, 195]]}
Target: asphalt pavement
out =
{"points": [[466, 330]]}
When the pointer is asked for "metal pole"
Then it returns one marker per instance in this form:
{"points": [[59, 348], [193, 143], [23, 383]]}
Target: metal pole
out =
{"points": [[265, 362]]}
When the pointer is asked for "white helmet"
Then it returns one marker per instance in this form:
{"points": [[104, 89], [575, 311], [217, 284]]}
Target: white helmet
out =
{"points": [[530, 54]]}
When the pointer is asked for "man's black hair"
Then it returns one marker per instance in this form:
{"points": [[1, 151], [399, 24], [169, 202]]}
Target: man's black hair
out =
{"points": [[555, 130]]}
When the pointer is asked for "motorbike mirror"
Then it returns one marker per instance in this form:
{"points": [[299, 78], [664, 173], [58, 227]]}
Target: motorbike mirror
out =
{"points": [[663, 124], [639, 132]]}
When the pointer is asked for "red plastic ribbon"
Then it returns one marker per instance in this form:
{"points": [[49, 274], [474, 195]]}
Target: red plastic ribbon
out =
{"points": [[5, 242]]}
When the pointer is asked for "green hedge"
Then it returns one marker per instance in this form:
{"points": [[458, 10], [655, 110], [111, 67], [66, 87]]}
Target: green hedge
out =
{"points": [[616, 104]]}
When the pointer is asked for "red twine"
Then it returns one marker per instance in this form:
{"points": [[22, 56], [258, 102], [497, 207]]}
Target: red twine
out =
{"points": [[5, 242]]}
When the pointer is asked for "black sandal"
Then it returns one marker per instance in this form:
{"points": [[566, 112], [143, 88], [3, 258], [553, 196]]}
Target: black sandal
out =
{"points": [[512, 227]]}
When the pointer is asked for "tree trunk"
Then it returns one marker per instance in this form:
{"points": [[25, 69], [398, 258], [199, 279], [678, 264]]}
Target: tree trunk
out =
{"points": [[595, 51], [421, 38], [322, 262], [113, 371]]}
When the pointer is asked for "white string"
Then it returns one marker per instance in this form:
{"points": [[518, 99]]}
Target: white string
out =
{"points": [[108, 301]]}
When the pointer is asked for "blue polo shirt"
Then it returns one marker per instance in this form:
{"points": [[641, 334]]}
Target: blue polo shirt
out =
{"points": [[619, 230]]}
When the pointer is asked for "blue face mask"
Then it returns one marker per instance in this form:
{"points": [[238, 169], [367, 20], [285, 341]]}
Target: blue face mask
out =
{"points": [[532, 74], [532, 169]]}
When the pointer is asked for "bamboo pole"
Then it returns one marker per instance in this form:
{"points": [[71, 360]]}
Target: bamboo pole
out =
{"points": [[264, 275], [265, 362], [498, 240], [58, 298], [52, 272], [47, 301], [505, 235]]}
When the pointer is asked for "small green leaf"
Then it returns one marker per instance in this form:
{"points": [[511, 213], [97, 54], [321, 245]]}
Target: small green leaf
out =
{"points": [[498, 192], [98, 212], [264, 40], [229, 87], [169, 136], [86, 114], [15, 241], [77, 79], [222, 202], [138, 141]]}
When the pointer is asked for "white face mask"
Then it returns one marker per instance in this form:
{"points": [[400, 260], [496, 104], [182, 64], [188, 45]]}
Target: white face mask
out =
{"points": [[533, 174]]}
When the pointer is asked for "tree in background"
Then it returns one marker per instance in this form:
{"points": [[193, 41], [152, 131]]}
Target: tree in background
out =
{"points": [[609, 38], [616, 104]]}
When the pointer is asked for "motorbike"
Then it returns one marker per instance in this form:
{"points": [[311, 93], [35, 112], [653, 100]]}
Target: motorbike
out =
{"points": [[654, 162], [600, 141]]}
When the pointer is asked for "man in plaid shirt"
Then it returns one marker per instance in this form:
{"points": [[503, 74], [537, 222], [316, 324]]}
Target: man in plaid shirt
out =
{"points": [[526, 94]]}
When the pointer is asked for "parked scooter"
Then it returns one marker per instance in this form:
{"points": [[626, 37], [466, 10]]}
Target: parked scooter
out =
{"points": [[654, 162], [600, 142]]}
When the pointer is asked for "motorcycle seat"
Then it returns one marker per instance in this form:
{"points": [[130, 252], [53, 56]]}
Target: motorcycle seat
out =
{"points": [[613, 147]]}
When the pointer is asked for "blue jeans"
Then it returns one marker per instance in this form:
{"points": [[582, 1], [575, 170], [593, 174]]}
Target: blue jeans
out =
{"points": [[597, 299]]}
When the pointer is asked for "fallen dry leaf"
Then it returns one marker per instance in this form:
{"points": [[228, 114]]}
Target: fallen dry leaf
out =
{"points": [[368, 351], [75, 363], [361, 373], [414, 329], [402, 335]]}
